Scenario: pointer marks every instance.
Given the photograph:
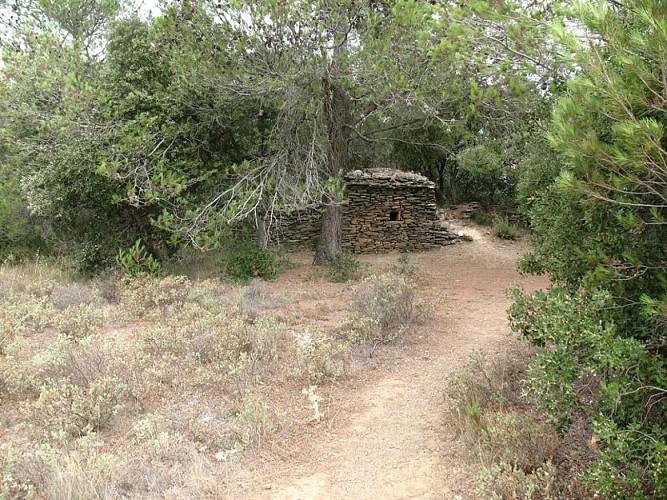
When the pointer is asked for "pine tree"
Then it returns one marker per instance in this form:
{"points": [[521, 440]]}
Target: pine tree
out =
{"points": [[600, 232]]}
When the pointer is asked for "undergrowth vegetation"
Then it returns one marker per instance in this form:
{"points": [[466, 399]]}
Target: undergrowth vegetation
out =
{"points": [[505, 229], [242, 265], [382, 308], [135, 385], [520, 453], [346, 267]]}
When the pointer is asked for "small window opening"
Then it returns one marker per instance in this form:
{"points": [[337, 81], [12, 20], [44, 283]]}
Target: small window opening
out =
{"points": [[394, 216]]}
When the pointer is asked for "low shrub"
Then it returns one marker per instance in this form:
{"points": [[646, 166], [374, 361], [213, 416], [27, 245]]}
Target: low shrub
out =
{"points": [[151, 298], [218, 344], [320, 357], [346, 267], [80, 362], [247, 263], [23, 314], [505, 481], [75, 294], [382, 307], [254, 421], [481, 386], [164, 463], [82, 473], [506, 230], [210, 336], [404, 267], [256, 298], [26, 304], [68, 410], [78, 322], [520, 438], [11, 484], [516, 443]]}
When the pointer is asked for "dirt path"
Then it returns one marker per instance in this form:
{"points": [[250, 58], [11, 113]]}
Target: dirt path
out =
{"points": [[389, 441]]}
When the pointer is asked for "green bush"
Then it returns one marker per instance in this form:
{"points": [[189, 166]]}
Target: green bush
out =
{"points": [[21, 234], [138, 260], [506, 230], [483, 176], [591, 368], [538, 169], [346, 267], [247, 263]]}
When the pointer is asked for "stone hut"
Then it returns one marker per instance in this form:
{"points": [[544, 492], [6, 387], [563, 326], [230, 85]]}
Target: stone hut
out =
{"points": [[390, 210], [386, 210]]}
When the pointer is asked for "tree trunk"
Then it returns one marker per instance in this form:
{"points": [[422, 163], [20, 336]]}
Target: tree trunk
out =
{"points": [[453, 191], [339, 120], [262, 234], [441, 182], [329, 246]]}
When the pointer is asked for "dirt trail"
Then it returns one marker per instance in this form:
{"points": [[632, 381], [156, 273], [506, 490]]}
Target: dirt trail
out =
{"points": [[390, 441]]}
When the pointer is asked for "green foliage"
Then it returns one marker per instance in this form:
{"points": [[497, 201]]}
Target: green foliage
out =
{"points": [[56, 132], [244, 264], [345, 267], [137, 260], [640, 461], [482, 217], [599, 232], [483, 177], [21, 234], [590, 368], [505, 229], [432, 151], [112, 147], [538, 168]]}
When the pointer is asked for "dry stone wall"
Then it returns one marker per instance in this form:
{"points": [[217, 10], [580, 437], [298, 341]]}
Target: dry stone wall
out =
{"points": [[385, 210], [390, 210], [298, 230]]}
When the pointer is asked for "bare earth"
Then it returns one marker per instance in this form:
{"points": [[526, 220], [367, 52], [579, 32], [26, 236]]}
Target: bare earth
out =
{"points": [[384, 436]]}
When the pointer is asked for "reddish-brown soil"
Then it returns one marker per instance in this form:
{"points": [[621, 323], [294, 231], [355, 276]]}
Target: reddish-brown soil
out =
{"points": [[383, 435]]}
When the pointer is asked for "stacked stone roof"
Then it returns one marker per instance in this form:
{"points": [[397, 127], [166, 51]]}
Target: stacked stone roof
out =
{"points": [[387, 177]]}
